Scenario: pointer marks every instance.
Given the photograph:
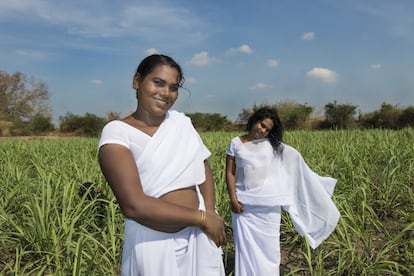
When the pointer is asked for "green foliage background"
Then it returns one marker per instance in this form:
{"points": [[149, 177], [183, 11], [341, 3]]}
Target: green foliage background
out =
{"points": [[47, 228]]}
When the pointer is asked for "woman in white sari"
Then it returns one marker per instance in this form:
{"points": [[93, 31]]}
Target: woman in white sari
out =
{"points": [[263, 176], [156, 165]]}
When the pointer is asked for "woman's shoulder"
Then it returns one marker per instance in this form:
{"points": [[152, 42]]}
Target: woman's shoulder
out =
{"points": [[115, 124], [178, 116], [236, 140], [115, 132], [175, 114]]}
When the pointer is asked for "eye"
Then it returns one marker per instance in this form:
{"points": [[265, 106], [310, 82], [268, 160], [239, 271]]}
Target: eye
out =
{"points": [[174, 87], [158, 82], [265, 127]]}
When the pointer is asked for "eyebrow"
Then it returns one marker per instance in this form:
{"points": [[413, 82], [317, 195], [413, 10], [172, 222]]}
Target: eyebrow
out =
{"points": [[164, 81]]}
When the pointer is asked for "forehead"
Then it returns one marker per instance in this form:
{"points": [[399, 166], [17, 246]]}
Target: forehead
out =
{"points": [[267, 122], [165, 72]]}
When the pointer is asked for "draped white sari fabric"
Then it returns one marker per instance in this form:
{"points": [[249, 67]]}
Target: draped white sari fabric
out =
{"points": [[173, 158], [256, 239], [188, 252], [313, 212], [288, 183]]}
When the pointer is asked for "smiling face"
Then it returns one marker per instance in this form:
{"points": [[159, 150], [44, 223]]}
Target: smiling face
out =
{"points": [[261, 128], [157, 91]]}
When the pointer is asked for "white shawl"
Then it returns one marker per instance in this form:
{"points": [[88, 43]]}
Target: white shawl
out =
{"points": [[305, 195], [173, 158], [313, 212]]}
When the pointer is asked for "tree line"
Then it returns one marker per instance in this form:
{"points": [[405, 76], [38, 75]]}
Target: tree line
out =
{"points": [[25, 110]]}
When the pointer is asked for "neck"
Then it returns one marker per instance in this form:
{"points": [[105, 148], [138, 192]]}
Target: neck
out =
{"points": [[147, 119]]}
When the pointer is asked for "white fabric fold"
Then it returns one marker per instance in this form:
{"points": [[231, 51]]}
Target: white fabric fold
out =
{"points": [[277, 189], [305, 195], [173, 158], [313, 212], [257, 240], [185, 253]]}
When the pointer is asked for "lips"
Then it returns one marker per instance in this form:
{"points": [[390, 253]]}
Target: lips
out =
{"points": [[162, 102]]}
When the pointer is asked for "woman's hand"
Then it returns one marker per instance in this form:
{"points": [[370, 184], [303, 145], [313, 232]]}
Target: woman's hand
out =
{"points": [[214, 228], [236, 206]]}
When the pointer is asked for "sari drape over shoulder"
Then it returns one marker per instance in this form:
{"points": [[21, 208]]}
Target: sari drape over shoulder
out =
{"points": [[173, 158]]}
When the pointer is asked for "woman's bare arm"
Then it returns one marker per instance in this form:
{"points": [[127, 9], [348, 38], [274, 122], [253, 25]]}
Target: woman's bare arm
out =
{"points": [[119, 169], [236, 206]]}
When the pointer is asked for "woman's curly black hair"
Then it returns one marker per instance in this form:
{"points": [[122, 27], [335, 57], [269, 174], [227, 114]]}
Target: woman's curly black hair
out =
{"points": [[276, 133]]}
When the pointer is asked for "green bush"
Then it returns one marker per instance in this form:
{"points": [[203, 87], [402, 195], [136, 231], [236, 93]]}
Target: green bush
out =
{"points": [[88, 125]]}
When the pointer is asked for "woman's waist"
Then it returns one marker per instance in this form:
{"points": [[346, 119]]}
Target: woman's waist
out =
{"points": [[186, 197]]}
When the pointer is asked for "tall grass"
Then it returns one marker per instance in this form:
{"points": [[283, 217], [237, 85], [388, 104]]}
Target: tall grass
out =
{"points": [[47, 228]]}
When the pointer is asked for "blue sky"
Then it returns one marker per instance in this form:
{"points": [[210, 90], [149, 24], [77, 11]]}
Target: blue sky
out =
{"points": [[233, 53]]}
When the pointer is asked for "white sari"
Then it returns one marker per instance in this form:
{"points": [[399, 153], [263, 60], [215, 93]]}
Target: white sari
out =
{"points": [[280, 181], [173, 158]]}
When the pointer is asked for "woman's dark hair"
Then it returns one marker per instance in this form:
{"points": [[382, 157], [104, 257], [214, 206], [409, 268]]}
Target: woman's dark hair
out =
{"points": [[276, 133], [148, 64]]}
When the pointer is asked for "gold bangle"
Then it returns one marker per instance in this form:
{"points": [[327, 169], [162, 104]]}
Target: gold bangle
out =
{"points": [[203, 219]]}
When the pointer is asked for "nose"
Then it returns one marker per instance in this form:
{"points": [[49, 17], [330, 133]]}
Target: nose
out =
{"points": [[164, 91], [262, 129]]}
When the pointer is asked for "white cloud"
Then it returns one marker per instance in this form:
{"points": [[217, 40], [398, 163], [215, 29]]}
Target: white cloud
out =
{"points": [[39, 55], [106, 20], [323, 74], [97, 82], [376, 66], [308, 36], [12, 8], [273, 63], [31, 54], [245, 49], [202, 59], [151, 51], [259, 85]]}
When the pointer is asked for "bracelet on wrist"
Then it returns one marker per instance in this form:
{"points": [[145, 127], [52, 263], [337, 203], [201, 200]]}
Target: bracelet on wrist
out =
{"points": [[203, 219]]}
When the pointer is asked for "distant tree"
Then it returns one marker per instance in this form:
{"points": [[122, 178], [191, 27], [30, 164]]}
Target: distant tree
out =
{"points": [[293, 115], [209, 121], [369, 120], [22, 98], [41, 124], [243, 116], [339, 115], [388, 117], [88, 125], [407, 117]]}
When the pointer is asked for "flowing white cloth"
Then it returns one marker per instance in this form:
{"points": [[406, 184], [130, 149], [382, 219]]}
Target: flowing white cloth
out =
{"points": [[313, 212], [173, 158], [288, 183]]}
